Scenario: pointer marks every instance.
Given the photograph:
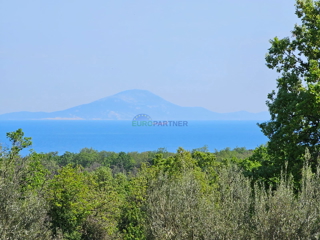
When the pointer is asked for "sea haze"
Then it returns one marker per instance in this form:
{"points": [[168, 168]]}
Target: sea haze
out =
{"points": [[72, 136]]}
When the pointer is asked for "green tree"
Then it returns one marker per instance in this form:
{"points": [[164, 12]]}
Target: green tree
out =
{"points": [[106, 201], [295, 107], [173, 208], [66, 158], [86, 157], [132, 219], [69, 202], [23, 210], [19, 142], [124, 162]]}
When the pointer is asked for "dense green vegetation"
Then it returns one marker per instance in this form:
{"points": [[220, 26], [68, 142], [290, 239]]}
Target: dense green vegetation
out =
{"points": [[295, 106], [271, 192], [152, 195]]}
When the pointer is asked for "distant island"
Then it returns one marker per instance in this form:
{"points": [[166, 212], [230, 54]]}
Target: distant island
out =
{"points": [[127, 104]]}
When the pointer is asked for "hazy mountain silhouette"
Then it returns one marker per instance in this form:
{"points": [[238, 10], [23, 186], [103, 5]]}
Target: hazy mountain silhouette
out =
{"points": [[127, 104]]}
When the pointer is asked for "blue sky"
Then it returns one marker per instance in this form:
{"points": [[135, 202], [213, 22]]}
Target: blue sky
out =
{"points": [[59, 54]]}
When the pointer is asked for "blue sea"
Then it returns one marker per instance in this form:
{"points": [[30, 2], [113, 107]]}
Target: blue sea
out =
{"points": [[72, 136]]}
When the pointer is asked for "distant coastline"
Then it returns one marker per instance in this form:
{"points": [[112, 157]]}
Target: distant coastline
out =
{"points": [[127, 104]]}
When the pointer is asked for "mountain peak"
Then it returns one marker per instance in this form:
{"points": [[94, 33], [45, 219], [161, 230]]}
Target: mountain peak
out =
{"points": [[137, 96], [127, 104], [135, 91]]}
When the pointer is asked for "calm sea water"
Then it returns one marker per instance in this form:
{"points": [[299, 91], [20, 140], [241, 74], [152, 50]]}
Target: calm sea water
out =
{"points": [[61, 136]]}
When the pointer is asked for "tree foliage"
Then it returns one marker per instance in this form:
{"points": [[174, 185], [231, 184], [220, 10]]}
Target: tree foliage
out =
{"points": [[182, 195], [23, 210], [295, 107]]}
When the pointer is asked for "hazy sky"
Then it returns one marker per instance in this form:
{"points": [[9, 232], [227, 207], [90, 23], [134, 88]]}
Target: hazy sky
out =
{"points": [[59, 54]]}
